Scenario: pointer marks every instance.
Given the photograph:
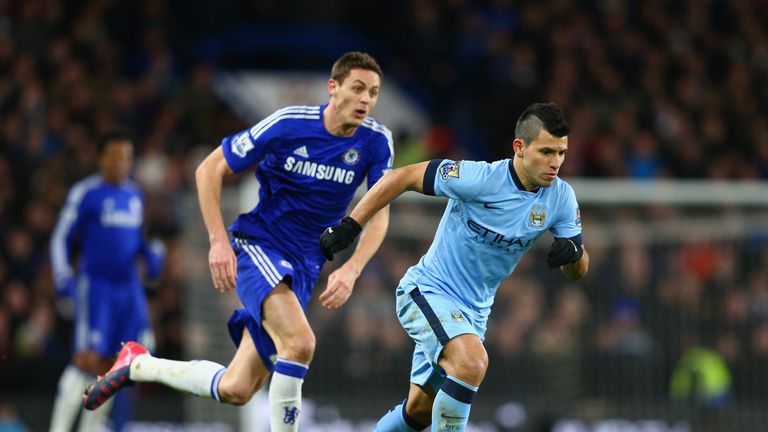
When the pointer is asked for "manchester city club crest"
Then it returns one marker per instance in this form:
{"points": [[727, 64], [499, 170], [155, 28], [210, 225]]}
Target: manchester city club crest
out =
{"points": [[351, 156], [456, 315], [537, 217]]}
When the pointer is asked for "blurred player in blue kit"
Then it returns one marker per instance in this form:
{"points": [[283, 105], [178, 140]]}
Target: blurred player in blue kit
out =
{"points": [[310, 160], [495, 213], [103, 218]]}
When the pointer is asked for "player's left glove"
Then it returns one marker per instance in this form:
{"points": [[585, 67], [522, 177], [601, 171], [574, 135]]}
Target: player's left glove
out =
{"points": [[563, 251], [339, 237]]}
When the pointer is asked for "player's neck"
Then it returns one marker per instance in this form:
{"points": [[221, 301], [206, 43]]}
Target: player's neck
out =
{"points": [[334, 124], [526, 182]]}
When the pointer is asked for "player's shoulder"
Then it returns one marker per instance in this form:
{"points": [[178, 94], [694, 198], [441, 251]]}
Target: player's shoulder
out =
{"points": [[310, 110], [87, 184], [500, 167], [481, 168], [286, 117], [293, 114], [562, 189], [488, 176], [85, 187], [375, 128], [131, 186], [561, 185]]}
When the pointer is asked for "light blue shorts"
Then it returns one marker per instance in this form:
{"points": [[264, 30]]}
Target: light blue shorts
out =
{"points": [[431, 319]]}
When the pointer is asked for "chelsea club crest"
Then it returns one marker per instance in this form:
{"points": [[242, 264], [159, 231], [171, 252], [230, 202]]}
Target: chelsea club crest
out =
{"points": [[351, 156]]}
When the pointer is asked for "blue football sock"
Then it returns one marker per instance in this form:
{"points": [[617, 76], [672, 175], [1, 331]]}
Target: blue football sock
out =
{"points": [[450, 411], [398, 420]]}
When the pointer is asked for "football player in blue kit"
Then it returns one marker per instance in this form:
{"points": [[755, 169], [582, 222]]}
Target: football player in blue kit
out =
{"points": [[103, 214], [495, 213], [310, 160]]}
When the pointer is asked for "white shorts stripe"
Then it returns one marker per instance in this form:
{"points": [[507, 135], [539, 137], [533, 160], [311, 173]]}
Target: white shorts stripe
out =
{"points": [[267, 275], [266, 260]]}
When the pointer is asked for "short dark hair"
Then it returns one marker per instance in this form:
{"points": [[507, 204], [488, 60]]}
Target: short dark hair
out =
{"points": [[354, 60], [109, 137], [538, 116]]}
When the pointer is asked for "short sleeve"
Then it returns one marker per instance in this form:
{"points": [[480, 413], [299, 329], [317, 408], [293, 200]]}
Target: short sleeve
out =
{"points": [[246, 148], [461, 180], [568, 223], [383, 156]]}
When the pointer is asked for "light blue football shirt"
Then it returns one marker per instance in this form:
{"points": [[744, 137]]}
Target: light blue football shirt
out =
{"points": [[490, 222]]}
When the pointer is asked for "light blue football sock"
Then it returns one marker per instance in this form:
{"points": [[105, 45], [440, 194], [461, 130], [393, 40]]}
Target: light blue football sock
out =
{"points": [[450, 411], [397, 420]]}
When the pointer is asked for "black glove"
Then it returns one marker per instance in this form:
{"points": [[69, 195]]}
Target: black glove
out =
{"points": [[563, 251], [339, 237]]}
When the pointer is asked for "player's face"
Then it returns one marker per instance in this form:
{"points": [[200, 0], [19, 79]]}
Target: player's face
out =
{"points": [[541, 159], [116, 160], [356, 96]]}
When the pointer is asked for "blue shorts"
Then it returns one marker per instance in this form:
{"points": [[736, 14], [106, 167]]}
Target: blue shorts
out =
{"points": [[431, 319], [260, 268], [108, 314]]}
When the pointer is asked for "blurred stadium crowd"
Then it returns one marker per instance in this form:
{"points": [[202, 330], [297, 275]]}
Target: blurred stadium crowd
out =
{"points": [[652, 89]]}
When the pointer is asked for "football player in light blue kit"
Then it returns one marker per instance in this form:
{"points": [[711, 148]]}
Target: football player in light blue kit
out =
{"points": [[310, 160], [103, 214], [495, 213]]}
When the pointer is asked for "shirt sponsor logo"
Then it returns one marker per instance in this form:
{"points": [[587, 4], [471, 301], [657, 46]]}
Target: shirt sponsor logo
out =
{"points": [[113, 217], [498, 240], [319, 171]]}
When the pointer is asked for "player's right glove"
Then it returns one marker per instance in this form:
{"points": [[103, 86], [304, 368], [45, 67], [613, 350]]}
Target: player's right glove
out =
{"points": [[563, 251], [339, 237]]}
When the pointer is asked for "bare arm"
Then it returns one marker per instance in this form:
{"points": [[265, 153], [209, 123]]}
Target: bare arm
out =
{"points": [[389, 187], [370, 240], [372, 212], [221, 259], [342, 281], [577, 269]]}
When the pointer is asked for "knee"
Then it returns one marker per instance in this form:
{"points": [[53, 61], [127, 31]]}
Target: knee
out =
{"points": [[469, 368], [236, 391], [300, 348]]}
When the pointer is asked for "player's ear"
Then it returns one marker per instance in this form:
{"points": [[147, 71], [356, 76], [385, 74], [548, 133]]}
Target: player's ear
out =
{"points": [[517, 147], [332, 86]]}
